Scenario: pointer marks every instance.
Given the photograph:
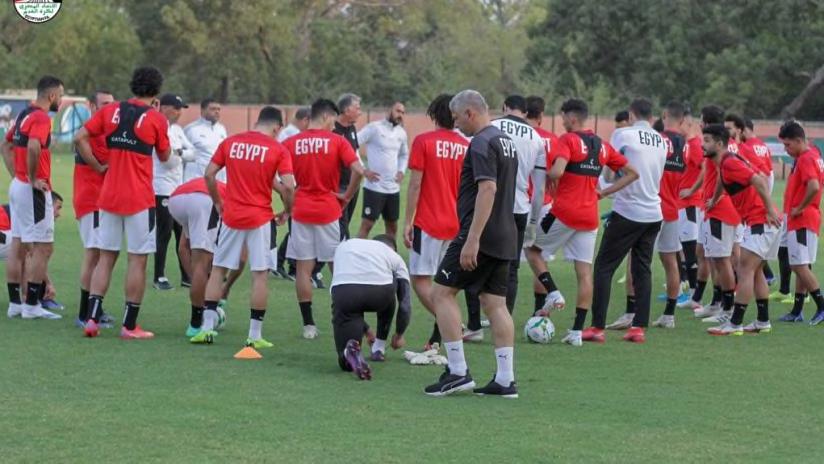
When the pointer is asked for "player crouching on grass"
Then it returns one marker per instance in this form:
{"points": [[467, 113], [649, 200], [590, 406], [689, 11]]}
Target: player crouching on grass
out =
{"points": [[369, 275], [749, 192]]}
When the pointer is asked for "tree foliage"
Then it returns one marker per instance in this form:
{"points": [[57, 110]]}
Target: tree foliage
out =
{"points": [[754, 56]]}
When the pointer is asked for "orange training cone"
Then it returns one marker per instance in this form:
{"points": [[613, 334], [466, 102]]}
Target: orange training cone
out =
{"points": [[248, 353]]}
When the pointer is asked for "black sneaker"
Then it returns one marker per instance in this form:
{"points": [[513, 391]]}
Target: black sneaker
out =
{"points": [[449, 383], [162, 284], [317, 280], [494, 388]]}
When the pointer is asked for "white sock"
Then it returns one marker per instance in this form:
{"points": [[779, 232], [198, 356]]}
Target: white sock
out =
{"points": [[379, 345], [455, 356], [209, 319], [254, 329], [505, 374]]}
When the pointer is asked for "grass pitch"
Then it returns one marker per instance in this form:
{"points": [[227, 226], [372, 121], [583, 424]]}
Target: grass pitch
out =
{"points": [[682, 397]]}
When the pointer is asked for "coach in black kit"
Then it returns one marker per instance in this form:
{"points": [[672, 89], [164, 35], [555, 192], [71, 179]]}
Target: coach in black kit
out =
{"points": [[479, 256]]}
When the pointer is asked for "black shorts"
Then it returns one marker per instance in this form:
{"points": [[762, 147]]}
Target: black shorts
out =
{"points": [[376, 204], [491, 276]]}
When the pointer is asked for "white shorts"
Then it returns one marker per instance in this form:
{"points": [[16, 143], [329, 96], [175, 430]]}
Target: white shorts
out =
{"points": [[717, 238], [258, 242], [689, 223], [426, 253], [139, 228], [669, 237], [552, 234], [764, 244], [802, 245], [313, 241], [197, 216], [32, 213], [89, 225], [739, 233], [5, 244]]}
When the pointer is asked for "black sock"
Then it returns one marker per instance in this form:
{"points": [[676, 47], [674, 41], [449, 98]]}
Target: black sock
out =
{"points": [[630, 304], [14, 293], [33, 294], [728, 299], [306, 312], [580, 319], [257, 314], [83, 312], [95, 309], [716, 294], [196, 319], [540, 299], [784, 272], [42, 293], [130, 320], [669, 310], [819, 300], [547, 282], [798, 303], [682, 268], [436, 334], [763, 310], [738, 314], [698, 295], [768, 272]]}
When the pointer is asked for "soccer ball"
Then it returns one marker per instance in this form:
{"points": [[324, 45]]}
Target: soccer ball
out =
{"points": [[539, 330], [221, 318]]}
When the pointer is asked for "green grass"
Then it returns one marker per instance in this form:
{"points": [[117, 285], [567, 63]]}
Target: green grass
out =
{"points": [[681, 397]]}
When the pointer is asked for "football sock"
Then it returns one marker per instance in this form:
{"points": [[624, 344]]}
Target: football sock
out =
{"points": [[83, 311], [819, 300], [455, 357], [763, 310], [728, 299], [33, 293], [256, 323], [379, 345], [196, 318], [546, 280], [738, 314], [784, 272], [540, 300], [130, 319], [209, 315], [580, 319], [798, 303], [505, 374], [14, 293], [669, 309], [630, 304], [306, 312], [698, 295], [95, 308], [716, 294]]}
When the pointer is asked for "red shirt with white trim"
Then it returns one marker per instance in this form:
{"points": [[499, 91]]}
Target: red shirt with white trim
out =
{"points": [[736, 175], [808, 167], [575, 201], [5, 220], [439, 156], [127, 187], [198, 185], [318, 156], [724, 210], [35, 125], [551, 143], [87, 182], [673, 174], [694, 156], [252, 161], [762, 152]]}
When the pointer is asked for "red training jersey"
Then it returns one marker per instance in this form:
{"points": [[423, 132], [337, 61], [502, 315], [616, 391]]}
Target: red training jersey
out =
{"points": [[694, 156], [198, 185], [576, 203], [674, 170], [736, 176], [551, 144], [5, 220], [746, 152], [762, 152], [35, 123], [318, 157], [127, 187], [87, 181], [724, 210], [439, 156], [808, 167], [252, 160]]}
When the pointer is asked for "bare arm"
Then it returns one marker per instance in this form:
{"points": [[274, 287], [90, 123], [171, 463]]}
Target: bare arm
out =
{"points": [[84, 148], [759, 183], [32, 160], [557, 169], [688, 192], [716, 195], [813, 186], [287, 193], [211, 184], [413, 195], [628, 176], [538, 185], [355, 178]]}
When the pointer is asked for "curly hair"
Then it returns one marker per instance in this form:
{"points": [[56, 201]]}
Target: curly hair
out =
{"points": [[146, 82]]}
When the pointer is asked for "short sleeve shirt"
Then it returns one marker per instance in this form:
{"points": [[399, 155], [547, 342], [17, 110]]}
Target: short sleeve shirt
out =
{"points": [[808, 167], [694, 156], [724, 210], [35, 125], [737, 174]]}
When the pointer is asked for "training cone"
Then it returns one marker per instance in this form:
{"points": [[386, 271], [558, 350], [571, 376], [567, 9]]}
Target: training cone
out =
{"points": [[248, 353]]}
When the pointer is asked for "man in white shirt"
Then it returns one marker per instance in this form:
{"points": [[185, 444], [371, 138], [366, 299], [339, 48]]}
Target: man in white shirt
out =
{"points": [[369, 277], [299, 124], [205, 133], [167, 177], [531, 152], [635, 220], [387, 154]]}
